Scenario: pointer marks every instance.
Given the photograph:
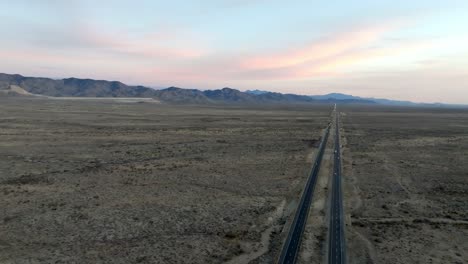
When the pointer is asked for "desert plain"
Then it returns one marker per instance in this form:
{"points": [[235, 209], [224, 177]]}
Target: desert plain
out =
{"points": [[91, 181], [113, 182], [406, 184]]}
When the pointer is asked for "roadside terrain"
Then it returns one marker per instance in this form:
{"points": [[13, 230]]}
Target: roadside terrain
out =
{"points": [[405, 184], [96, 181]]}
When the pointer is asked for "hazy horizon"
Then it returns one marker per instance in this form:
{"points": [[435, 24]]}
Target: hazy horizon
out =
{"points": [[416, 51]]}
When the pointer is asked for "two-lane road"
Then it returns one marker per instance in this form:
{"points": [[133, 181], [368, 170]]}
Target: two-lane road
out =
{"points": [[293, 240], [336, 238]]}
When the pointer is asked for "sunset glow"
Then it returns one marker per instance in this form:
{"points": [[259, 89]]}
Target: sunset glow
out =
{"points": [[414, 51]]}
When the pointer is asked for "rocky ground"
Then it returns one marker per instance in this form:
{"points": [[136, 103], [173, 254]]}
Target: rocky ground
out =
{"points": [[109, 182], [406, 175]]}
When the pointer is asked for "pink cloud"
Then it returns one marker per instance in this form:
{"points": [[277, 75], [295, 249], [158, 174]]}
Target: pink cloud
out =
{"points": [[162, 58], [317, 59], [331, 46], [325, 58], [154, 45]]}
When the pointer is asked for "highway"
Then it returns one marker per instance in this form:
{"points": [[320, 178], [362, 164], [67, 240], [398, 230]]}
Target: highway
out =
{"points": [[336, 237], [293, 240]]}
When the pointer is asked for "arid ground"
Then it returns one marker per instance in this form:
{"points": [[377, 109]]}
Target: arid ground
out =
{"points": [[114, 182], [91, 181], [406, 178]]}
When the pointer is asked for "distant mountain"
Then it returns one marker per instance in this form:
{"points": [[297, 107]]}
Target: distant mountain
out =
{"points": [[13, 90], [393, 102], [17, 85], [74, 87], [340, 96], [181, 96], [335, 96], [257, 92], [230, 95]]}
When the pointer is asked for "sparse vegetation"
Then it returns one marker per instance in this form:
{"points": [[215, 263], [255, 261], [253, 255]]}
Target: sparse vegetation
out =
{"points": [[405, 178], [97, 181]]}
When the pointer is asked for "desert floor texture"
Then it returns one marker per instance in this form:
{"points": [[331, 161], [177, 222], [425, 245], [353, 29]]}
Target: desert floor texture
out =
{"points": [[91, 181], [109, 182], [406, 176]]}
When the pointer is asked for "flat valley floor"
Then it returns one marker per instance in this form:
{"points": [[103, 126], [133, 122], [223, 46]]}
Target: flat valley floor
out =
{"points": [[108, 182], [406, 184], [124, 182]]}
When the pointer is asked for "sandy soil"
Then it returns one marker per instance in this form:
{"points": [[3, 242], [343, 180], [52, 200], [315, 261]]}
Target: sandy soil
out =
{"points": [[108, 182], [406, 178]]}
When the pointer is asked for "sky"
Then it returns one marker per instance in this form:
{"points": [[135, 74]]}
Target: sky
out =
{"points": [[411, 50]]}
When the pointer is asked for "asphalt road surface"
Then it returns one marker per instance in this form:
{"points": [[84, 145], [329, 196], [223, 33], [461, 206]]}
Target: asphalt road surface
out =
{"points": [[336, 238], [293, 241]]}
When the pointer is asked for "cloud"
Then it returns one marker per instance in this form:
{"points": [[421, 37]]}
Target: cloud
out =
{"points": [[76, 36], [329, 46], [173, 57], [325, 57], [149, 45], [163, 54]]}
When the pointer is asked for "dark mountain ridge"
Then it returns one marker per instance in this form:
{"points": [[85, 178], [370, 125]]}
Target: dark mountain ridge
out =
{"points": [[75, 87]]}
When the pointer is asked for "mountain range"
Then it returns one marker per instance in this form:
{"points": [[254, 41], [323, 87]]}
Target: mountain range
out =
{"points": [[18, 85]]}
